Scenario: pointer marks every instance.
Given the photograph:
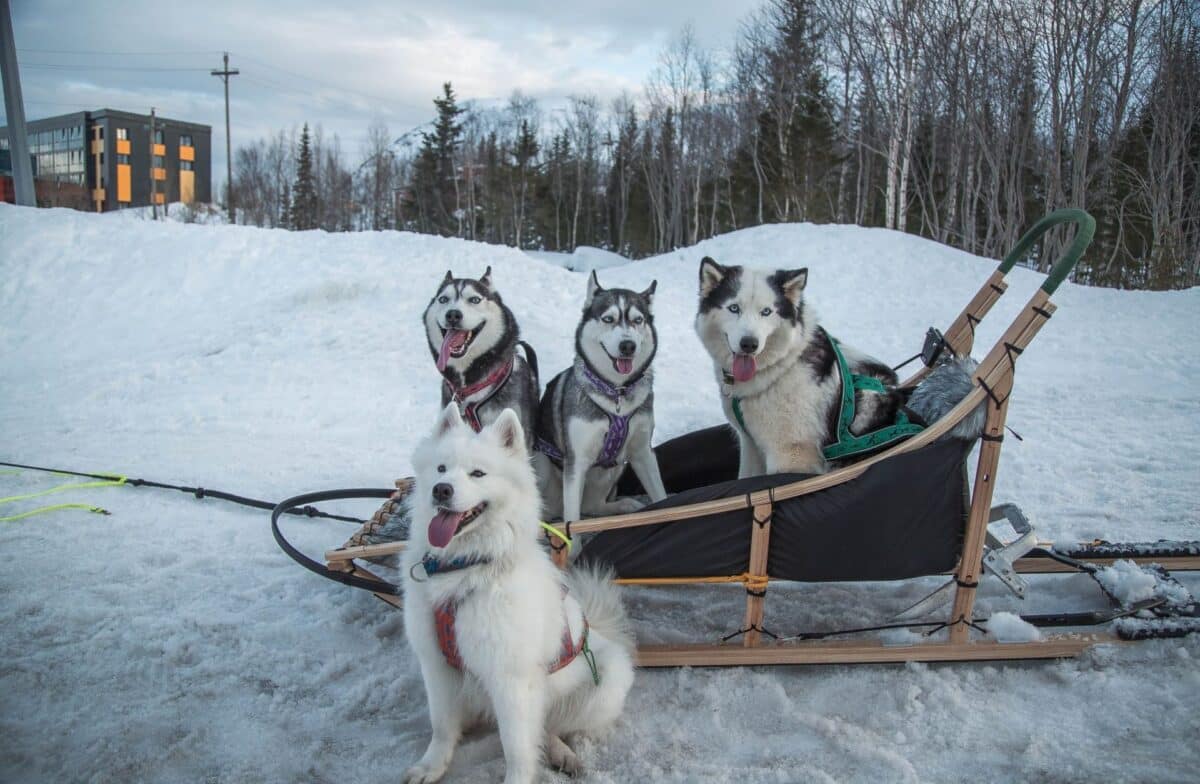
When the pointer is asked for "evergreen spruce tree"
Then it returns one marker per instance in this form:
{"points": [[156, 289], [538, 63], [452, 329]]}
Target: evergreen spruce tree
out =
{"points": [[304, 213], [524, 167], [285, 207], [434, 172]]}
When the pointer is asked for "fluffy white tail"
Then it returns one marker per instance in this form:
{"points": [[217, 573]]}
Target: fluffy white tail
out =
{"points": [[600, 598]]}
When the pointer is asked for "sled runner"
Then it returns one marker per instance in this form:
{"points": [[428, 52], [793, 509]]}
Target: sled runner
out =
{"points": [[905, 510]]}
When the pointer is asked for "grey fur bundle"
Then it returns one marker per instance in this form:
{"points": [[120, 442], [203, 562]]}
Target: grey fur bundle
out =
{"points": [[947, 384]]}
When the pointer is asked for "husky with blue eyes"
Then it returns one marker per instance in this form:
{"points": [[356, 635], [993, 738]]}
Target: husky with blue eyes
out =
{"points": [[473, 338], [598, 414], [778, 371]]}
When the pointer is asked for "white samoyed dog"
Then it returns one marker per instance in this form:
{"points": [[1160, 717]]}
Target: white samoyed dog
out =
{"points": [[501, 633]]}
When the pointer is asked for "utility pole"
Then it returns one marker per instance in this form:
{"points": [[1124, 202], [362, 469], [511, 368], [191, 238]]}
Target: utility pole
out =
{"points": [[225, 73], [153, 181], [14, 108]]}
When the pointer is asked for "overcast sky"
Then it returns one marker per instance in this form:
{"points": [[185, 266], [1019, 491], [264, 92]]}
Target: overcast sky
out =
{"points": [[341, 64]]}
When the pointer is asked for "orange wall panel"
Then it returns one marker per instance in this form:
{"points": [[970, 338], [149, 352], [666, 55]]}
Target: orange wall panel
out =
{"points": [[187, 186], [187, 153], [123, 147], [159, 149], [124, 180], [160, 174]]}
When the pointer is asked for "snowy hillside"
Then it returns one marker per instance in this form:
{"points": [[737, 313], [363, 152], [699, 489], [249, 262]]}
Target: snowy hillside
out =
{"points": [[173, 641]]}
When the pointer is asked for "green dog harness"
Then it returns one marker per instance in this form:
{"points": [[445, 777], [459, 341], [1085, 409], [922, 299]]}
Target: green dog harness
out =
{"points": [[847, 444]]}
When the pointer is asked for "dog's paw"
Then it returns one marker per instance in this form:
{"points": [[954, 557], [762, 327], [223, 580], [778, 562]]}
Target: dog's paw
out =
{"points": [[422, 774], [560, 757]]}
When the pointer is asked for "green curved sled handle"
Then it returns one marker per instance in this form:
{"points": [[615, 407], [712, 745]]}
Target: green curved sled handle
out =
{"points": [[1063, 267]]}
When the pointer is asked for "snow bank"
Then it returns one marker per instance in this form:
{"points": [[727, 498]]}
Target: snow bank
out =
{"points": [[585, 258], [175, 212], [173, 641]]}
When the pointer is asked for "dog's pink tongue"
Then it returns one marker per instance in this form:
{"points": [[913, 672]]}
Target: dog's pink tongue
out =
{"points": [[452, 342], [442, 527], [624, 365], [744, 367]]}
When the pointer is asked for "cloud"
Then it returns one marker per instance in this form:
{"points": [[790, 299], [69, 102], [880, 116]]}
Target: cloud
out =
{"points": [[341, 65]]}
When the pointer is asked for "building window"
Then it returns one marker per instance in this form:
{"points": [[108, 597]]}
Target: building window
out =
{"points": [[185, 140], [100, 129], [159, 138], [185, 165], [122, 133], [159, 162], [123, 159]]}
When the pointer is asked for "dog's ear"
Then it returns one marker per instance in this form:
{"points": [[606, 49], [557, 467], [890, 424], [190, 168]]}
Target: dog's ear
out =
{"points": [[711, 275], [508, 432], [792, 282], [649, 293], [448, 420], [486, 277], [593, 286], [449, 277]]}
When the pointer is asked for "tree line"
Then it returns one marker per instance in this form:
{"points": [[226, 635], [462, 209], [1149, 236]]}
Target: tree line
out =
{"points": [[958, 120]]}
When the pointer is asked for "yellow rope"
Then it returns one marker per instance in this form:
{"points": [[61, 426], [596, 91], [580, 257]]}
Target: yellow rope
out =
{"points": [[754, 582], [555, 532], [41, 509], [113, 482]]}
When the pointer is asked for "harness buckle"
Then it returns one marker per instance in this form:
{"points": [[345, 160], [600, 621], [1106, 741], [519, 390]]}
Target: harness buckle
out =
{"points": [[935, 344]]}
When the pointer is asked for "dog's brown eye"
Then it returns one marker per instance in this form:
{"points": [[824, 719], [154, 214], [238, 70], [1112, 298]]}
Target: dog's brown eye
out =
{"points": [[477, 473], [441, 469], [766, 312], [734, 308]]}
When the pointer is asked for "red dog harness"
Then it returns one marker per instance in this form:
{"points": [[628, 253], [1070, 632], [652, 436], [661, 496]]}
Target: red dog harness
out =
{"points": [[490, 383], [443, 621]]}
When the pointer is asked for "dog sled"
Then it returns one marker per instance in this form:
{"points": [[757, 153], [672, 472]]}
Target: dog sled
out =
{"points": [[908, 510]]}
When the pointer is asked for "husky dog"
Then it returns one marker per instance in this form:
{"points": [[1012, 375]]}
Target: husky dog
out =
{"points": [[473, 338], [777, 369], [599, 412], [499, 632]]}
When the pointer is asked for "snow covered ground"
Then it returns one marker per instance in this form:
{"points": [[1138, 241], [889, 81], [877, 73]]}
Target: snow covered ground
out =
{"points": [[173, 642]]}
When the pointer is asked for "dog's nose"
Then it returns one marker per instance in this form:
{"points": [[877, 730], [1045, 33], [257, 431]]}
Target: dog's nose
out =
{"points": [[454, 317], [443, 492], [628, 348], [749, 344]]}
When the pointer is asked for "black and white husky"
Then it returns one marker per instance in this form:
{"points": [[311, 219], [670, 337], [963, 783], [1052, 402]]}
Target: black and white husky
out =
{"points": [[598, 414], [473, 337], [780, 384]]}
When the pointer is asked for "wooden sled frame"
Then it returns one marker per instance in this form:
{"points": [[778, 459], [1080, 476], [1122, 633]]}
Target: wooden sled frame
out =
{"points": [[993, 385]]}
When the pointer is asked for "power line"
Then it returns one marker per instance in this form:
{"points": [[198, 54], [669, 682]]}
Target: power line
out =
{"points": [[374, 99], [119, 54], [307, 78], [83, 67]]}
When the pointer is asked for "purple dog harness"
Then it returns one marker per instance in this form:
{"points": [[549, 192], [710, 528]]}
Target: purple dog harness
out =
{"points": [[618, 425]]}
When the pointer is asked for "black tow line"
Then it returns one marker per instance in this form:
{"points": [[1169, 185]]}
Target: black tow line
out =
{"points": [[287, 506], [198, 492]]}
